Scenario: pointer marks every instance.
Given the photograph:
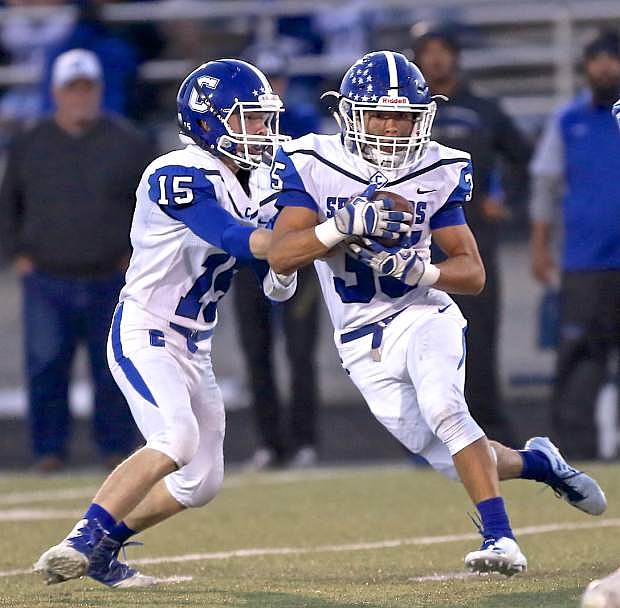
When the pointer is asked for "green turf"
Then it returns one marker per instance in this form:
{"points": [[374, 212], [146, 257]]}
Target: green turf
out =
{"points": [[325, 508]]}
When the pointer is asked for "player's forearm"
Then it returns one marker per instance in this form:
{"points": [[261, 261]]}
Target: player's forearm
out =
{"points": [[295, 249], [461, 274]]}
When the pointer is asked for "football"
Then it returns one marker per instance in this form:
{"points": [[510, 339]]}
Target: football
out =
{"points": [[400, 204]]}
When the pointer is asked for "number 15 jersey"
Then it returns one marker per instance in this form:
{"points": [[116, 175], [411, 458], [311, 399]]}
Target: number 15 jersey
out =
{"points": [[319, 173], [190, 231]]}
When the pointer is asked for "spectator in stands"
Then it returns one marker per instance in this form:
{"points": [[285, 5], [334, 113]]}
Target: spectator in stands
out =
{"points": [[291, 442], [577, 162], [479, 126], [25, 38], [119, 59], [66, 203]]}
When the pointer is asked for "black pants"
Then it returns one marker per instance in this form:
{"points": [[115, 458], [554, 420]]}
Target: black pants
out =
{"points": [[590, 329], [256, 317], [482, 389]]}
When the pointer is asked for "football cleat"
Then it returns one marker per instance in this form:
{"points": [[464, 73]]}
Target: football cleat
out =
{"points": [[603, 593], [69, 558], [497, 555], [574, 486], [105, 568]]}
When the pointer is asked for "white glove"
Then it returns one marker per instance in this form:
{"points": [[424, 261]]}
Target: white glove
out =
{"points": [[279, 287], [403, 264], [361, 216], [616, 111]]}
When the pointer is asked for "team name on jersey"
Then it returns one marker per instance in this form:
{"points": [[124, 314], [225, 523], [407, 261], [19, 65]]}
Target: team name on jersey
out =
{"points": [[333, 203]]}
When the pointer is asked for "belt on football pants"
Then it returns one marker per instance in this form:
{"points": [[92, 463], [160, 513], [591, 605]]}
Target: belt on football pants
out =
{"points": [[193, 336], [376, 329]]}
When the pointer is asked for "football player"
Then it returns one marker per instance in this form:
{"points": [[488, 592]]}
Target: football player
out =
{"points": [[194, 224], [616, 111], [400, 336]]}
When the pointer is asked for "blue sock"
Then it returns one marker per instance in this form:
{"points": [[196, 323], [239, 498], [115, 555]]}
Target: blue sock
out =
{"points": [[494, 518], [120, 532], [106, 521], [536, 465]]}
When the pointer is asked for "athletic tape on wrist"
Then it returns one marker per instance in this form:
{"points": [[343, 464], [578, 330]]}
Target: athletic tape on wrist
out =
{"points": [[328, 234], [430, 276]]}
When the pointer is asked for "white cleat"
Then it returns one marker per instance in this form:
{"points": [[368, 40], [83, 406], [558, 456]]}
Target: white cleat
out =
{"points": [[604, 593], [137, 580], [502, 555], [574, 486], [61, 563]]}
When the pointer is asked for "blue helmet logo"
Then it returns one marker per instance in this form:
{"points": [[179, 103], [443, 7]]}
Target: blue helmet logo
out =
{"points": [[228, 108]]}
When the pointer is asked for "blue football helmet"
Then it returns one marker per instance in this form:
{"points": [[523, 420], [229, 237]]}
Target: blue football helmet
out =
{"points": [[216, 92], [385, 81]]}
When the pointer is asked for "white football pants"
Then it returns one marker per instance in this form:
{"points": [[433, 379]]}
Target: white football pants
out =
{"points": [[173, 397], [416, 388]]}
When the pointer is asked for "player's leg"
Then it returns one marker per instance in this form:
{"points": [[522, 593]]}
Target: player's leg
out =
{"points": [[435, 361], [541, 461], [193, 485], [153, 384]]}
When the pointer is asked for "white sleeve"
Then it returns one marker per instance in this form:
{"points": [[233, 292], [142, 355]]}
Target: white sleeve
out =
{"points": [[279, 287], [548, 160], [547, 173]]}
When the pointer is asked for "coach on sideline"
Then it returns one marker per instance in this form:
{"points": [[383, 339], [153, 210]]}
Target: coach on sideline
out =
{"points": [[578, 161], [66, 203]]}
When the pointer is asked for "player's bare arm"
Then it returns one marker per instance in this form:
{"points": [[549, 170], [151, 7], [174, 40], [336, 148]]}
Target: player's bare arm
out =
{"points": [[294, 242], [463, 271]]}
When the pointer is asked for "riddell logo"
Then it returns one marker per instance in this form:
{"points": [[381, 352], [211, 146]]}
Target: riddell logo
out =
{"points": [[392, 100]]}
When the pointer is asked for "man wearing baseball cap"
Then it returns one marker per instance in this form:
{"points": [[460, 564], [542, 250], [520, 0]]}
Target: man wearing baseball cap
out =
{"points": [[577, 162], [66, 202]]}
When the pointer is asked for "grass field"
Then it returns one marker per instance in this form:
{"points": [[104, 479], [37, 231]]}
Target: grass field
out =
{"points": [[330, 538]]}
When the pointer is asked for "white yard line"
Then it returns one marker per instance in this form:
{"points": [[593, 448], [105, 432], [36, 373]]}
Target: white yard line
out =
{"points": [[39, 514], [385, 544]]}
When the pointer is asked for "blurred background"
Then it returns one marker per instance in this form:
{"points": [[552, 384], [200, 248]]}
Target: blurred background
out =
{"points": [[527, 56]]}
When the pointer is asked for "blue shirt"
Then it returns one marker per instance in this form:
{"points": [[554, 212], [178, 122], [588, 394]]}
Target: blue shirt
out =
{"points": [[582, 146]]}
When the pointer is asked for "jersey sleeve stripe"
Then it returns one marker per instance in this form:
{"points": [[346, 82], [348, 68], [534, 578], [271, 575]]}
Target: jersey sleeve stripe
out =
{"points": [[451, 214]]}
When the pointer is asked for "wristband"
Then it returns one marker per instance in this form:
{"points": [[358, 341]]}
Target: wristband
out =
{"points": [[328, 234], [430, 276]]}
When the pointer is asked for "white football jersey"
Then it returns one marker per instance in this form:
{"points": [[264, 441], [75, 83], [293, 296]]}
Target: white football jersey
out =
{"points": [[316, 171], [175, 274]]}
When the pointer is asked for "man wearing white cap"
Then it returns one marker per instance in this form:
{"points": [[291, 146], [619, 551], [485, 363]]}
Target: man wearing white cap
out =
{"points": [[66, 202]]}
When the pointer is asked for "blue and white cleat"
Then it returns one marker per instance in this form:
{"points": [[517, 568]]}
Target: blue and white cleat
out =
{"points": [[574, 486], [502, 555], [69, 559], [105, 568]]}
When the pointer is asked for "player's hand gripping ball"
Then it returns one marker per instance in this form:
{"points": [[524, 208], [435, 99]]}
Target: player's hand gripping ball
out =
{"points": [[397, 203], [400, 203]]}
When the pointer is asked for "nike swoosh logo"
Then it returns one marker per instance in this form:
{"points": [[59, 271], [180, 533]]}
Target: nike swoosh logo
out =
{"points": [[420, 191], [440, 310]]}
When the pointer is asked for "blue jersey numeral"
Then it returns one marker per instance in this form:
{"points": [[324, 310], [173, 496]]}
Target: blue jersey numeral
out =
{"points": [[364, 290], [190, 305]]}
